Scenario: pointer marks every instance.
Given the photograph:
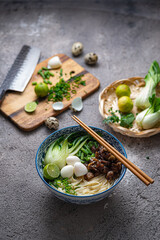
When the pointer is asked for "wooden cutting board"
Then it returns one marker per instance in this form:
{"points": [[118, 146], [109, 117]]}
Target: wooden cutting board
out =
{"points": [[14, 102]]}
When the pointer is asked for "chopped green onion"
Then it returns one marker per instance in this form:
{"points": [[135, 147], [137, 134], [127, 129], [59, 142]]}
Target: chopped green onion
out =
{"points": [[61, 72], [74, 91], [34, 83], [44, 68]]}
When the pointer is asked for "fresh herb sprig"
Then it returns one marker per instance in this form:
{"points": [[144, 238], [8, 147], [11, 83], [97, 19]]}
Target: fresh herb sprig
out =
{"points": [[111, 119], [125, 120]]}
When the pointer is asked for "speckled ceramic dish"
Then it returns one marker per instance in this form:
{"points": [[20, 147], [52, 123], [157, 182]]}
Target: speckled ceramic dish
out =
{"points": [[72, 198]]}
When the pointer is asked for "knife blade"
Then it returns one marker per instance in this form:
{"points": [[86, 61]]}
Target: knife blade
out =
{"points": [[21, 70]]}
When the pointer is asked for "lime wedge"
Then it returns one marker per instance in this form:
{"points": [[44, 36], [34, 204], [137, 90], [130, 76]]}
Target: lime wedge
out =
{"points": [[51, 171], [30, 107]]}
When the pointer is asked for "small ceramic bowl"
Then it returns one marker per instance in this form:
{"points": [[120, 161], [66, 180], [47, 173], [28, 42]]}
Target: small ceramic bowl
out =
{"points": [[72, 198]]}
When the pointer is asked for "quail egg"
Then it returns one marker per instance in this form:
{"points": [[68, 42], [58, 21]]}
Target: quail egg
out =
{"points": [[71, 160], [91, 58], [80, 169], [77, 48], [52, 123], [67, 171]]}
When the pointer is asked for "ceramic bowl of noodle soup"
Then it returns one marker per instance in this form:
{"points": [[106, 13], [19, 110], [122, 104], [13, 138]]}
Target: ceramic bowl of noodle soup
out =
{"points": [[99, 182]]}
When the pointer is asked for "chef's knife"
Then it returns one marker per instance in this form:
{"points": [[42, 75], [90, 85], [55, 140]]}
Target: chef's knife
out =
{"points": [[21, 70]]}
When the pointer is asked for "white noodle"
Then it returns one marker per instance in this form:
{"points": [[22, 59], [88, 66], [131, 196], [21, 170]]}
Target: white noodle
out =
{"points": [[95, 185]]}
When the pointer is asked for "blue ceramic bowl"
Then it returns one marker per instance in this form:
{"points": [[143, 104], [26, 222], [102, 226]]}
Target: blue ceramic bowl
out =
{"points": [[71, 198]]}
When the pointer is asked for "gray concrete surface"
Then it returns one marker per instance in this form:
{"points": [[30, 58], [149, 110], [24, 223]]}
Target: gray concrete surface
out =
{"points": [[126, 36]]}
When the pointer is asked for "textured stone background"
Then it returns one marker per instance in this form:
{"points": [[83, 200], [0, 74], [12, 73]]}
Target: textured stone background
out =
{"points": [[126, 36]]}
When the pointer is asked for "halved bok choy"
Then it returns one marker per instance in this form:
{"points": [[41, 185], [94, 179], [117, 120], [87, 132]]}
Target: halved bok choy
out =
{"points": [[61, 148], [150, 117], [151, 80]]}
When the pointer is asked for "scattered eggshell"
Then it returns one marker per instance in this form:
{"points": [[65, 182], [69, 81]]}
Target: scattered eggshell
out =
{"points": [[52, 123], [54, 63], [77, 48], [71, 160], [67, 171], [57, 106], [91, 58], [80, 169], [77, 104]]}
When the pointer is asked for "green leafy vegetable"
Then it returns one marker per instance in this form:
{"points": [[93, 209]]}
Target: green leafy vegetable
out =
{"points": [[111, 119], [75, 144], [150, 116], [127, 120], [59, 150], [151, 80]]}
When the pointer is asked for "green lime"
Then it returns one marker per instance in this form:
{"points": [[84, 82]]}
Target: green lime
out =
{"points": [[125, 104], [123, 90], [51, 171], [41, 89], [30, 107]]}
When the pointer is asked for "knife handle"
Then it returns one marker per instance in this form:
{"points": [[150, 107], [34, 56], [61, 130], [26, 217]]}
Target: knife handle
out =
{"points": [[2, 93]]}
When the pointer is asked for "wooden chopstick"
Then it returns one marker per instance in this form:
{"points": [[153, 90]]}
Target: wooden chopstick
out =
{"points": [[117, 152], [133, 168]]}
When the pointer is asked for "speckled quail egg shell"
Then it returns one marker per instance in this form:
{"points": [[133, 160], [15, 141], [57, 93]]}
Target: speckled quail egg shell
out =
{"points": [[80, 169], [77, 104], [71, 160], [91, 58], [77, 48], [67, 171], [57, 106]]}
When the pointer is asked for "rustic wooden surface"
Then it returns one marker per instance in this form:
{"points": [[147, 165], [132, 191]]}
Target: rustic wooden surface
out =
{"points": [[14, 102]]}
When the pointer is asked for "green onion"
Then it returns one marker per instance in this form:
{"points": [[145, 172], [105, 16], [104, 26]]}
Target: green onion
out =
{"points": [[51, 74], [83, 83], [42, 75], [61, 72], [82, 156], [89, 151], [62, 88], [49, 82], [44, 68], [74, 91], [45, 81], [84, 150], [34, 83]]}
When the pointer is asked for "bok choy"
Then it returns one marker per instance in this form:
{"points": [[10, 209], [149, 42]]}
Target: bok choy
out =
{"points": [[151, 80], [60, 149], [150, 116]]}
